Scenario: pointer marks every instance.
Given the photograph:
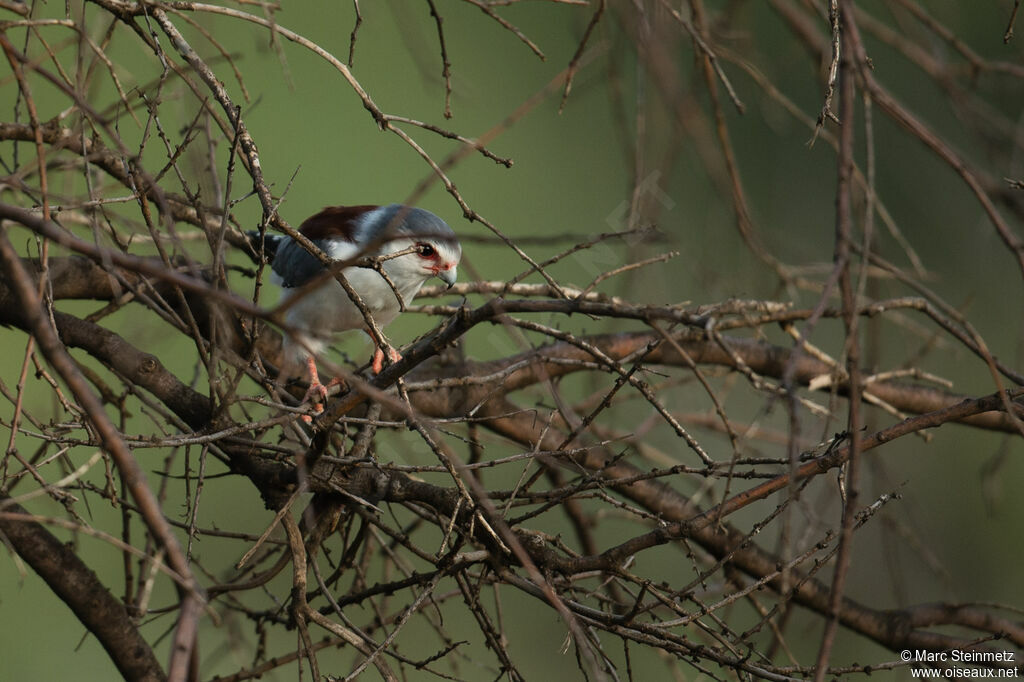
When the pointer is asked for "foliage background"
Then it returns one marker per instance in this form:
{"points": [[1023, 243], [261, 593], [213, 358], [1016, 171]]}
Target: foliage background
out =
{"points": [[954, 535]]}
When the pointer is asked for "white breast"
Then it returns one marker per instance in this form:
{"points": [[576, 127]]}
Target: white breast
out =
{"points": [[321, 314]]}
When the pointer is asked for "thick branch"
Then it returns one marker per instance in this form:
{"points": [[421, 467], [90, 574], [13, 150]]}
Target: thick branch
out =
{"points": [[78, 587]]}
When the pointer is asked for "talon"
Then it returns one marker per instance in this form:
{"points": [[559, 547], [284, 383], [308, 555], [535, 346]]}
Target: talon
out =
{"points": [[316, 394], [308, 418]]}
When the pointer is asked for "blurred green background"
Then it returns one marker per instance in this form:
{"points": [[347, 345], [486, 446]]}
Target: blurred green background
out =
{"points": [[953, 537]]}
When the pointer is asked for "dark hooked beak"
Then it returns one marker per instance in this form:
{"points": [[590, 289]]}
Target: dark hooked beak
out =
{"points": [[448, 277]]}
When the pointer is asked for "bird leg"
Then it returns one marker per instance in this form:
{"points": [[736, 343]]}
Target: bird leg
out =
{"points": [[317, 392], [378, 358], [315, 387]]}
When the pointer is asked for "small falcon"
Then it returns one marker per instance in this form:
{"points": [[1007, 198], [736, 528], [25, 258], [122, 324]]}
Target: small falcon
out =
{"points": [[347, 233]]}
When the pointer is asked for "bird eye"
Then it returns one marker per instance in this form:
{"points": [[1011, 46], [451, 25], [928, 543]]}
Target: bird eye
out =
{"points": [[426, 250]]}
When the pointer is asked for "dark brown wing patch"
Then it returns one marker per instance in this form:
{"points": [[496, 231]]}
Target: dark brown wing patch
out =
{"points": [[334, 222]]}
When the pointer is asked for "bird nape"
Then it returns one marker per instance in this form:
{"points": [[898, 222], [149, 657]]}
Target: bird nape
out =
{"points": [[409, 245]]}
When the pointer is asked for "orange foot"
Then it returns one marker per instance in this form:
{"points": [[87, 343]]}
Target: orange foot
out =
{"points": [[378, 359], [317, 392]]}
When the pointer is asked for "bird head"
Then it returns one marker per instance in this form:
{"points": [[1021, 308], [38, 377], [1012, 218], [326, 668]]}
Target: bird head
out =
{"points": [[432, 249]]}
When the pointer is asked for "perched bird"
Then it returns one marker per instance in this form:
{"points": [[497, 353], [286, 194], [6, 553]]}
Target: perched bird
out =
{"points": [[347, 233]]}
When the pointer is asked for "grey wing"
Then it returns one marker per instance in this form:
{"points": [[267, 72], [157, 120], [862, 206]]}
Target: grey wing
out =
{"points": [[294, 265]]}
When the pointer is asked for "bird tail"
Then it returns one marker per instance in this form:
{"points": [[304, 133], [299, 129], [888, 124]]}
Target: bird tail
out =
{"points": [[267, 243]]}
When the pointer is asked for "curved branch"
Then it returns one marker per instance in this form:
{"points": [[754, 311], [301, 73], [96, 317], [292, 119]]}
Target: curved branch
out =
{"points": [[77, 586]]}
